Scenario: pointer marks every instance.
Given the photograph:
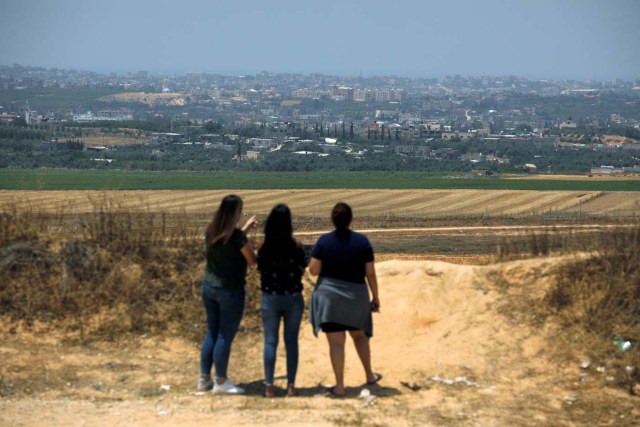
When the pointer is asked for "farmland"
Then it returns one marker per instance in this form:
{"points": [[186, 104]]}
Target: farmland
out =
{"points": [[69, 179], [461, 215], [398, 221], [367, 202]]}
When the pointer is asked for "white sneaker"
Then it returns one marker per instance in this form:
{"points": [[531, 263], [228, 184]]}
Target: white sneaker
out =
{"points": [[227, 388]]}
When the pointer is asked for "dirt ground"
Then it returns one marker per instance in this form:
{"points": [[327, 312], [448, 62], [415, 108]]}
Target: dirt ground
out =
{"points": [[457, 344]]}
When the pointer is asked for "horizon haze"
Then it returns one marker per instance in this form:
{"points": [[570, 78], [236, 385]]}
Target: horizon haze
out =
{"points": [[562, 39]]}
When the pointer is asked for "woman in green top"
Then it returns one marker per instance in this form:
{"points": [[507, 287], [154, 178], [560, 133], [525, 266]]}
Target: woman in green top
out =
{"points": [[228, 252]]}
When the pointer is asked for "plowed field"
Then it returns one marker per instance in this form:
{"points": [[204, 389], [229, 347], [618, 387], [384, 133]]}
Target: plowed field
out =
{"points": [[311, 202]]}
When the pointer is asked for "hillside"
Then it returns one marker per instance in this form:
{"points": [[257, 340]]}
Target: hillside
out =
{"points": [[457, 345]]}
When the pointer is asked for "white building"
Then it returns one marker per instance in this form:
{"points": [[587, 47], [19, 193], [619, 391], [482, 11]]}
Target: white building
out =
{"points": [[102, 116]]}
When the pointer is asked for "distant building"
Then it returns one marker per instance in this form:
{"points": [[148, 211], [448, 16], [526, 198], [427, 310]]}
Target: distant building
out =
{"points": [[342, 93], [8, 117], [253, 95], [460, 135], [606, 170], [252, 155], [220, 146], [568, 124], [388, 95], [117, 116], [633, 169], [362, 95], [261, 144], [97, 148], [430, 129], [306, 93], [165, 137]]}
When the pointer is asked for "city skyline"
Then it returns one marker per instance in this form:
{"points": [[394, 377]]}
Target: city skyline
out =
{"points": [[565, 39]]}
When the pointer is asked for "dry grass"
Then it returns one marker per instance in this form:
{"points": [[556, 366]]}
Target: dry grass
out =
{"points": [[595, 296], [116, 273], [111, 139]]}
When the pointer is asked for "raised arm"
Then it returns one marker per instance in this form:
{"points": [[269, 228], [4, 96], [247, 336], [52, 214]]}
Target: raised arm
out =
{"points": [[251, 223]]}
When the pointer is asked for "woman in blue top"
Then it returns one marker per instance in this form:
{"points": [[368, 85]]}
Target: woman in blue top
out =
{"points": [[281, 262], [228, 252], [340, 302]]}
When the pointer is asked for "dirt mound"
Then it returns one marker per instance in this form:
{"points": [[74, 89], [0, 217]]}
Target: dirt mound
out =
{"points": [[457, 345]]}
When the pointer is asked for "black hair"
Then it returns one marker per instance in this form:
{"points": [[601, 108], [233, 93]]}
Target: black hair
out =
{"points": [[278, 232], [278, 225], [341, 216]]}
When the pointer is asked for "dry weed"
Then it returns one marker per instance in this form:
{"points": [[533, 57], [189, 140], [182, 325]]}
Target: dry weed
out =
{"points": [[598, 300], [81, 280]]}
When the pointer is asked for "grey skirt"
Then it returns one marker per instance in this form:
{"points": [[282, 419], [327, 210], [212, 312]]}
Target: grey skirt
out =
{"points": [[339, 301]]}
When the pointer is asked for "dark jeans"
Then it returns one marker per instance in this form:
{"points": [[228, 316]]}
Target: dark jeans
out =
{"points": [[224, 312], [272, 309]]}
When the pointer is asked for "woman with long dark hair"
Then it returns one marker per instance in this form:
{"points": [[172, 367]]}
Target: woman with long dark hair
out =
{"points": [[281, 262], [343, 260], [228, 253]]}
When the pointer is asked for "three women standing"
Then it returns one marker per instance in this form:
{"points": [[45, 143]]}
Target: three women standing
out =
{"points": [[343, 259]]}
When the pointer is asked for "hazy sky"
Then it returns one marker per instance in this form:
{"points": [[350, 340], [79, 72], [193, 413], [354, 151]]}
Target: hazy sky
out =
{"points": [[579, 39]]}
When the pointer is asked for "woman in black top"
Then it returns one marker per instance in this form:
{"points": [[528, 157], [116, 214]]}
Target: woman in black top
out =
{"points": [[228, 252], [281, 262], [344, 262]]}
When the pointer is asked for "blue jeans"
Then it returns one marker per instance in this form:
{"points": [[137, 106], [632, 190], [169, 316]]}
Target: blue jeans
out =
{"points": [[272, 309], [224, 309]]}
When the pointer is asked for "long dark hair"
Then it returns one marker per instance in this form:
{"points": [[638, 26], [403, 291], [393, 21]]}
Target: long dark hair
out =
{"points": [[278, 230], [341, 216], [225, 219]]}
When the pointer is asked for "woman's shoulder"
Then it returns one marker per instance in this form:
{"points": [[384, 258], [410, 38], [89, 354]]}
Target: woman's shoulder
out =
{"points": [[239, 236], [330, 236], [359, 235], [361, 240]]}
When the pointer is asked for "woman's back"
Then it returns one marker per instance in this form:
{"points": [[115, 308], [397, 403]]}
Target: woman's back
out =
{"points": [[226, 263], [281, 266], [344, 254]]}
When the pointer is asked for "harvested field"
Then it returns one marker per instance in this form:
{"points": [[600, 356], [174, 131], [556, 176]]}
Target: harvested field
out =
{"points": [[118, 139], [417, 203], [590, 177]]}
